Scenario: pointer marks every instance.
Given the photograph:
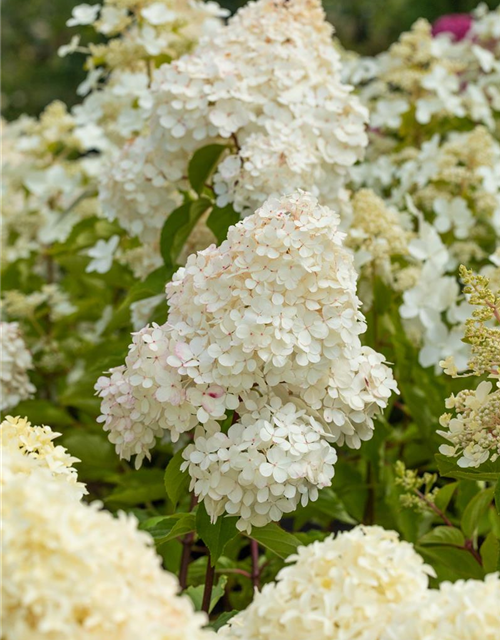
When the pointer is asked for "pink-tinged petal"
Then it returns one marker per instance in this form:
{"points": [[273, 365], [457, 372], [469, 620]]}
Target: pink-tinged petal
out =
{"points": [[183, 352], [215, 391]]}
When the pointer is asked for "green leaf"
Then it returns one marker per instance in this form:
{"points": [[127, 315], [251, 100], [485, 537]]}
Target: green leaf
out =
{"points": [[196, 594], [497, 496], [490, 553], [40, 412], [276, 539], [223, 619], [444, 495], [216, 535], [176, 481], [220, 219], [443, 535], [488, 471], [166, 528], [98, 458], [474, 510], [203, 163], [153, 285], [331, 505], [458, 562], [177, 228], [138, 487]]}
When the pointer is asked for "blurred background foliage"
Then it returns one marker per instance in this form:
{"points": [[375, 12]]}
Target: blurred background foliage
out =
{"points": [[33, 30]]}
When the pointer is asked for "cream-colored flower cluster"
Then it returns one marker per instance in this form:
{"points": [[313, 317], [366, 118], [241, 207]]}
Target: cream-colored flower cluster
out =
{"points": [[342, 587], [439, 76], [267, 86], [44, 193], [141, 35], [433, 158], [463, 610], [71, 570], [376, 235], [17, 434], [272, 311], [366, 584], [474, 430], [15, 361]]}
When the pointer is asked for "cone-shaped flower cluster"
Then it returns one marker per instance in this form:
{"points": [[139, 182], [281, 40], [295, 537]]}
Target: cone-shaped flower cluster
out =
{"points": [[268, 86], [365, 584], [266, 325], [70, 569]]}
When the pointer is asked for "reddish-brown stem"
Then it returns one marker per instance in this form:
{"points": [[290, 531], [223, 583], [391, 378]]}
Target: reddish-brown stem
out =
{"points": [[468, 546], [436, 510], [209, 585], [240, 572], [254, 550]]}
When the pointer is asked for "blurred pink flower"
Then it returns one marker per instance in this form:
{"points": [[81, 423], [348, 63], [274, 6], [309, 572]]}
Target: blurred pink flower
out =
{"points": [[457, 24]]}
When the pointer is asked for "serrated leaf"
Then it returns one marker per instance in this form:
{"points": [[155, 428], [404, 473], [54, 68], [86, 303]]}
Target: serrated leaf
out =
{"points": [[497, 496], [166, 528], [488, 471], [223, 619], [331, 505], [177, 228], [215, 535], [196, 594], [459, 562], [203, 163], [276, 539], [176, 481], [444, 495], [443, 535], [490, 553], [474, 510], [220, 219]]}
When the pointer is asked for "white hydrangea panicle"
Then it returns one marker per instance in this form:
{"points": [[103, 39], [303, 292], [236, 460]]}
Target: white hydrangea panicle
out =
{"points": [[16, 361], [342, 587], [74, 571], [463, 610], [273, 308], [273, 458], [35, 442], [288, 121], [274, 304]]}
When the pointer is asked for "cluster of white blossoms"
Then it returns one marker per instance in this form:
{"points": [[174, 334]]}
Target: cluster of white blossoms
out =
{"points": [[438, 174], [18, 435], [273, 311], [15, 361], [270, 461], [44, 192], [366, 584], [437, 72], [267, 86], [72, 570], [474, 428], [140, 35], [343, 587], [464, 610]]}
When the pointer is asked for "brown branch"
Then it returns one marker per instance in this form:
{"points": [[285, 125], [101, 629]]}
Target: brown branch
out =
{"points": [[209, 585]]}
